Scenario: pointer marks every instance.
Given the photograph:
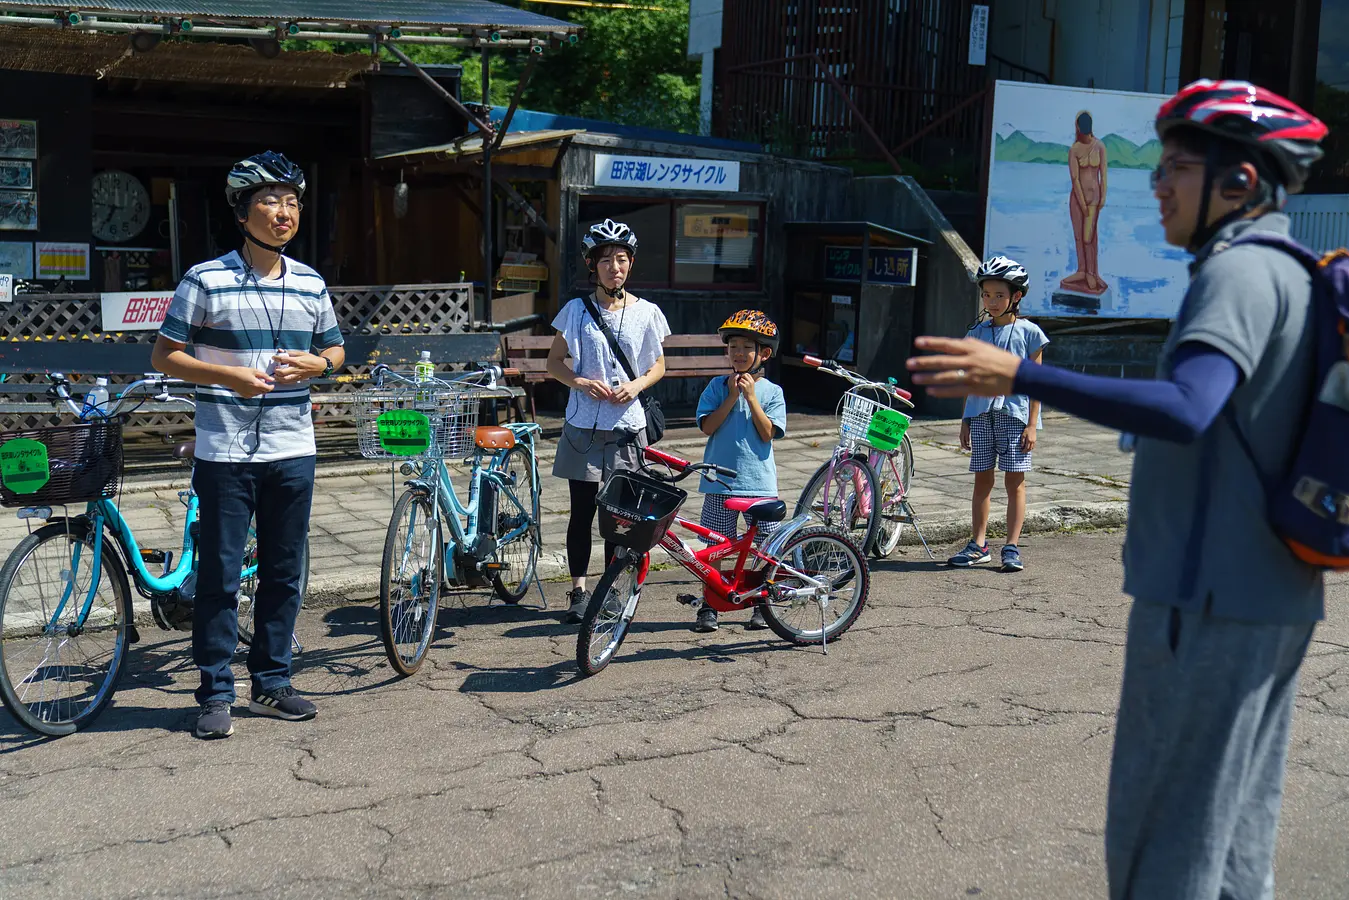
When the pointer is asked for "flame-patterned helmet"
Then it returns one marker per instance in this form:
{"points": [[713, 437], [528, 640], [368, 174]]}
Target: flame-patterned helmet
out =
{"points": [[751, 323], [1280, 130]]}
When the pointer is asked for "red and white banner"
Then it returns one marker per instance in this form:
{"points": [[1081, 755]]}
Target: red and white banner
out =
{"points": [[137, 311]]}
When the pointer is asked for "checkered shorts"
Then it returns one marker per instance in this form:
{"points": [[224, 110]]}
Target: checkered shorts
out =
{"points": [[727, 521], [996, 437]]}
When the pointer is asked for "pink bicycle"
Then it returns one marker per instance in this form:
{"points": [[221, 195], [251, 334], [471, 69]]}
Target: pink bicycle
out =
{"points": [[863, 489]]}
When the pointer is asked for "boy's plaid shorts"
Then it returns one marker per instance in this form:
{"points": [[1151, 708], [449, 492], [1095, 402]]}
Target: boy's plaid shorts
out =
{"points": [[996, 437]]}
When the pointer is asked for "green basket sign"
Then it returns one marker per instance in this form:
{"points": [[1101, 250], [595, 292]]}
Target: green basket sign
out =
{"points": [[886, 429], [23, 465], [404, 432]]}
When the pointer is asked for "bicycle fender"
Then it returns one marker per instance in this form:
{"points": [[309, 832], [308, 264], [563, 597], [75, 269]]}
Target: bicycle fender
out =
{"points": [[773, 546]]}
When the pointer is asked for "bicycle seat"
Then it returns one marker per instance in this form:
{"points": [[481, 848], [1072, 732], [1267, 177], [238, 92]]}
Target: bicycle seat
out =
{"points": [[186, 450], [494, 437], [770, 510]]}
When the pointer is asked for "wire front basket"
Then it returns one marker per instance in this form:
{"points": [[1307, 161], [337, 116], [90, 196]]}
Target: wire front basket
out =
{"points": [[855, 410], [452, 416], [80, 463]]}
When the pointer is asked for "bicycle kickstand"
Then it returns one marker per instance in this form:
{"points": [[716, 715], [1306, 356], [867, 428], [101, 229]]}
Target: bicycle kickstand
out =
{"points": [[913, 518], [824, 639], [295, 642]]}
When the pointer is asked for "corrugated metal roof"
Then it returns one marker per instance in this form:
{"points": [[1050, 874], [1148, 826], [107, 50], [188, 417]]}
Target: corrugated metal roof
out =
{"points": [[426, 13]]}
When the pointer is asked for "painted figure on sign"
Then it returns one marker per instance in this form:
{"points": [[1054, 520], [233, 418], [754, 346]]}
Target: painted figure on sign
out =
{"points": [[1087, 168]]}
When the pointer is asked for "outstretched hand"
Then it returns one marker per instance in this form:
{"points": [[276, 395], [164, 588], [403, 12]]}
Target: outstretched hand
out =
{"points": [[963, 367]]}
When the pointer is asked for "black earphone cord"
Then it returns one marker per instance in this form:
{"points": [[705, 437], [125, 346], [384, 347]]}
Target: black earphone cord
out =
{"points": [[275, 330]]}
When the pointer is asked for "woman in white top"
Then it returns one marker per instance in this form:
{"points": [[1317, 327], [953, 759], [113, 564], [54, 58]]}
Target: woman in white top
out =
{"points": [[603, 411]]}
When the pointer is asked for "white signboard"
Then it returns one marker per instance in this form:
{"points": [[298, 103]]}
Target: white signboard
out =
{"points": [[978, 35], [6, 288], [1070, 198], [667, 174], [136, 311]]}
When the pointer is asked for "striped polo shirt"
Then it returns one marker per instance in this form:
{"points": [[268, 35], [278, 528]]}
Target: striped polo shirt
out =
{"points": [[231, 317]]}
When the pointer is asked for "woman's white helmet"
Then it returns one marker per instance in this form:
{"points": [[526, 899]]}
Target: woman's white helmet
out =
{"points": [[1004, 268], [608, 234]]}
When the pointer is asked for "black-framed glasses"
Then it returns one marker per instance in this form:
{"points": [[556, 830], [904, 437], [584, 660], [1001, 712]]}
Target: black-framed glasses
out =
{"points": [[1166, 169], [273, 204]]}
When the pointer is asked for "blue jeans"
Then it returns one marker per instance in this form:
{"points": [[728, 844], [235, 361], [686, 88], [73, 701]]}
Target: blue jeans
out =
{"points": [[279, 494], [1196, 780]]}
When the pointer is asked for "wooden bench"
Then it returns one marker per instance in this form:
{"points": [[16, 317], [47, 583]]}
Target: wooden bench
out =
{"points": [[528, 355]]}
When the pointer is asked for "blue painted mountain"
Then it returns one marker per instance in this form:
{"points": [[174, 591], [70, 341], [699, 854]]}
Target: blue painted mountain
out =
{"points": [[1122, 152]]}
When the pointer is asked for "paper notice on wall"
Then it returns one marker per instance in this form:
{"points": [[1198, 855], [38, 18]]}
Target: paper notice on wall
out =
{"points": [[55, 260]]}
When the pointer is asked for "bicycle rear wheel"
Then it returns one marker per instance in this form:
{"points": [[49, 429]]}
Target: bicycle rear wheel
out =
{"points": [[248, 583], [409, 581], [57, 673], [825, 555], [611, 610], [518, 506], [895, 477], [844, 499]]}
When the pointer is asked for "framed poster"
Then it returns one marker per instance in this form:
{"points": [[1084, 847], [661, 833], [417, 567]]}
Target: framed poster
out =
{"points": [[16, 258], [1069, 197], [18, 139], [16, 175], [55, 260], [18, 210]]}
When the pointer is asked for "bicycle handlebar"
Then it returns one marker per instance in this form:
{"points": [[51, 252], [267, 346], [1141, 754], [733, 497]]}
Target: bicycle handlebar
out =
{"points": [[490, 372], [683, 467], [837, 370], [60, 391]]}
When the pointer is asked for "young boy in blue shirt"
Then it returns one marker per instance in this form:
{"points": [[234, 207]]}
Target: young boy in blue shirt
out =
{"points": [[741, 414], [1001, 429]]}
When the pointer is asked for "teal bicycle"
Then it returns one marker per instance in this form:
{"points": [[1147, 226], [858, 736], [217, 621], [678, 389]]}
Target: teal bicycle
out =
{"points": [[494, 538], [66, 614]]}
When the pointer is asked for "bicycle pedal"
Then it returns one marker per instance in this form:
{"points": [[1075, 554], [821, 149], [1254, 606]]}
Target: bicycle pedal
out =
{"points": [[689, 599], [496, 567], [153, 556]]}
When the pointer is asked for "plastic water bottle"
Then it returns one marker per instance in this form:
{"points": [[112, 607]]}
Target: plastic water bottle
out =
{"points": [[96, 401], [423, 372]]}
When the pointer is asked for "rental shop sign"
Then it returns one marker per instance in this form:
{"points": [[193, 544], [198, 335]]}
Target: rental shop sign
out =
{"points": [[135, 311], [666, 174]]}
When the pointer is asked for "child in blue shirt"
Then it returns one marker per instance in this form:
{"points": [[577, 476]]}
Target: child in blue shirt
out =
{"points": [[1001, 429], [741, 414]]}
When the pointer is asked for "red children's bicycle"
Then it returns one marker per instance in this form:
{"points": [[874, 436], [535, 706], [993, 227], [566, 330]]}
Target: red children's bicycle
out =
{"points": [[810, 580]]}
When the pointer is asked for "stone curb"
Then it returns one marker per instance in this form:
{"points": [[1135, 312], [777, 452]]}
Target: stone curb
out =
{"points": [[346, 587]]}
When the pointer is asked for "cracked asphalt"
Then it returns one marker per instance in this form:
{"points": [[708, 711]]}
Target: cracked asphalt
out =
{"points": [[954, 744]]}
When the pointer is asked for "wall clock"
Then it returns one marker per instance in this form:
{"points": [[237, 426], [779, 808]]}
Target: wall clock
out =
{"points": [[121, 206]]}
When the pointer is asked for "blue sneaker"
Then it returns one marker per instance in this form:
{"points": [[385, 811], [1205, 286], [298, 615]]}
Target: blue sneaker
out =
{"points": [[972, 555], [1011, 559]]}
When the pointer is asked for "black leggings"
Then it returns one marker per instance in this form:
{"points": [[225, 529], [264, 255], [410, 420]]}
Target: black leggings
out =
{"points": [[583, 508]]}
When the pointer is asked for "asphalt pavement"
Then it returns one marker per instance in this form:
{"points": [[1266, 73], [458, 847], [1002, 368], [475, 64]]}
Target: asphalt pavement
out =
{"points": [[955, 743]]}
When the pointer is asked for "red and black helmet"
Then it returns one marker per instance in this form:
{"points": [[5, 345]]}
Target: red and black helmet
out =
{"points": [[1283, 132]]}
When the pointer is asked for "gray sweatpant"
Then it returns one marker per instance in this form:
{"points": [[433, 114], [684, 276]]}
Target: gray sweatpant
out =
{"points": [[1196, 780]]}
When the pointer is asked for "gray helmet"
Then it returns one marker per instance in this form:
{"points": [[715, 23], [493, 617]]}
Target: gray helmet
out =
{"points": [[1004, 268], [259, 171], [608, 234]]}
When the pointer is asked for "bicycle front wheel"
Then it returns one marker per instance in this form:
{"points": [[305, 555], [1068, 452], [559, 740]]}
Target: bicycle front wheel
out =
{"points": [[895, 475], [611, 610], [844, 498], [409, 582], [518, 508], [58, 667], [248, 583], [824, 581]]}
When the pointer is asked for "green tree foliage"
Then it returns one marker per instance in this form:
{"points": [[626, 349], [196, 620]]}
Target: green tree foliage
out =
{"points": [[630, 67]]}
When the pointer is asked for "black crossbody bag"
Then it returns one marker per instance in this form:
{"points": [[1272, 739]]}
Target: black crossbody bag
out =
{"points": [[655, 416]]}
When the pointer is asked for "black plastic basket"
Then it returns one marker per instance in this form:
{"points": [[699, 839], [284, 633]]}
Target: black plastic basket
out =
{"points": [[636, 511], [85, 462]]}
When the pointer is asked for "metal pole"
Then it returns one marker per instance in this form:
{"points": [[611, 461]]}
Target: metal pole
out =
{"points": [[486, 191]]}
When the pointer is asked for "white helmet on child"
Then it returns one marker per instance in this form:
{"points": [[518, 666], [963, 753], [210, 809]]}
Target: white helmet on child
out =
{"points": [[1004, 268]]}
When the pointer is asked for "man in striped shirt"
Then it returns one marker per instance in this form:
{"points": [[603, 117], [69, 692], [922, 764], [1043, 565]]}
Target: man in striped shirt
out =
{"points": [[260, 326]]}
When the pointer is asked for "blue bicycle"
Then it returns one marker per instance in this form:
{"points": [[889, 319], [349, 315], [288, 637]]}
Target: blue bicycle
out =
{"points": [[66, 615], [494, 538]]}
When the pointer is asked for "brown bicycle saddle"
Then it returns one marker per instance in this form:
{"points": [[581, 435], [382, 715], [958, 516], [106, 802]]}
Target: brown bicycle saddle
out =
{"points": [[494, 437]]}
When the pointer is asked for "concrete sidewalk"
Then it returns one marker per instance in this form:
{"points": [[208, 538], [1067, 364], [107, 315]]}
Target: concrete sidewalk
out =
{"points": [[1081, 479]]}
